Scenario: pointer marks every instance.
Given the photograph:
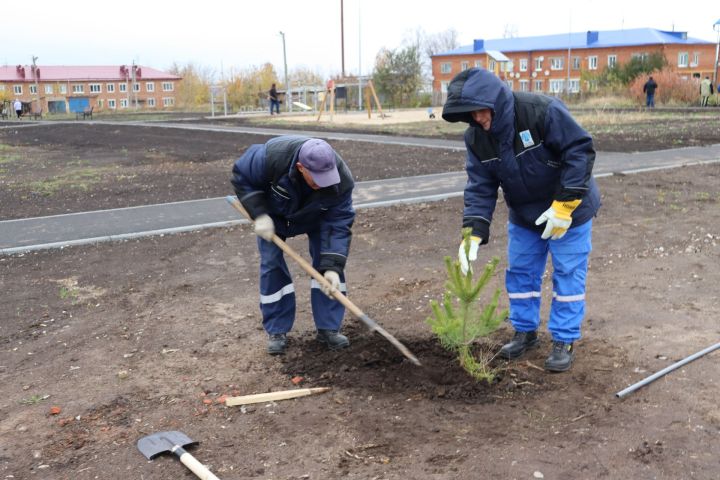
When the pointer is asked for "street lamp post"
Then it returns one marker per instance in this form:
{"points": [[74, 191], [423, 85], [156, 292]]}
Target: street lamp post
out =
{"points": [[288, 95], [716, 27]]}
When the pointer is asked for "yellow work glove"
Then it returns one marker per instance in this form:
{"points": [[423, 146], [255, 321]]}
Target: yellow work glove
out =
{"points": [[470, 256], [558, 218]]}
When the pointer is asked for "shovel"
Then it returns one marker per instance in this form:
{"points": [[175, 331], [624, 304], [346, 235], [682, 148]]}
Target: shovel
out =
{"points": [[370, 323], [173, 442]]}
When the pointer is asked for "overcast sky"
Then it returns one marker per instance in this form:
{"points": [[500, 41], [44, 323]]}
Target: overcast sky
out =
{"points": [[227, 35]]}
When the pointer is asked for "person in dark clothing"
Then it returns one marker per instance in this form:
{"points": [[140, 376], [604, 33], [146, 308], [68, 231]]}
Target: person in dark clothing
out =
{"points": [[649, 90], [529, 146], [274, 101], [295, 185]]}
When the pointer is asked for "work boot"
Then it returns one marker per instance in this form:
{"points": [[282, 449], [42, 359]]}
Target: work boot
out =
{"points": [[561, 357], [277, 344], [332, 339], [520, 342]]}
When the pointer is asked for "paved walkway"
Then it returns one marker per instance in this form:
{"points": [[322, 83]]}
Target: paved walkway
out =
{"points": [[124, 223]]}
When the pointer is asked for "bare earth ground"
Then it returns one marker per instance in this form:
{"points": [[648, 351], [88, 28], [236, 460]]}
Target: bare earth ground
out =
{"points": [[135, 337]]}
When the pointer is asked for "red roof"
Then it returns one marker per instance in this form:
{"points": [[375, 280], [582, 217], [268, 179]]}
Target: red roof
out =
{"points": [[57, 73]]}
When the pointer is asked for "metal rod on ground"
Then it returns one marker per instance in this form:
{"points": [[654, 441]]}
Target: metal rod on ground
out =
{"points": [[665, 370], [371, 324]]}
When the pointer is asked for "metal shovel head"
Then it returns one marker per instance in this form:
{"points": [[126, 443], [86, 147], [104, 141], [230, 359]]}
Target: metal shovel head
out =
{"points": [[161, 442]]}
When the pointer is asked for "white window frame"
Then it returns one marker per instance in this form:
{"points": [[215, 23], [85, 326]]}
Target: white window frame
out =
{"points": [[556, 85], [78, 88], [576, 61], [136, 87], [168, 87], [538, 87], [538, 64], [151, 102], [445, 67], [33, 89], [95, 88], [592, 62], [150, 86], [683, 59], [17, 89], [168, 101], [63, 89], [695, 59], [123, 103], [491, 65], [444, 86], [112, 104], [48, 89], [524, 85], [574, 85], [612, 61], [523, 65], [464, 66], [110, 87], [478, 64], [557, 63], [123, 87]]}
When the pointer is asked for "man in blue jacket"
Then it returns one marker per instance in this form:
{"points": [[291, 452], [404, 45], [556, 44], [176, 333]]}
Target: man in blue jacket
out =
{"points": [[529, 146], [295, 185]]}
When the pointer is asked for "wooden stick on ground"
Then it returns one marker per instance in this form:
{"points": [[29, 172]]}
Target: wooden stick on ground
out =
{"points": [[273, 396]]}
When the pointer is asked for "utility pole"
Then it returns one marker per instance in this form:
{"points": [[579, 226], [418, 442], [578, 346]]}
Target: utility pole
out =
{"points": [[342, 37], [288, 95], [716, 27], [133, 73], [36, 74]]}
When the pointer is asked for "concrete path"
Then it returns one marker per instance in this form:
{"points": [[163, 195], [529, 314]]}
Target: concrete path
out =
{"points": [[108, 225]]}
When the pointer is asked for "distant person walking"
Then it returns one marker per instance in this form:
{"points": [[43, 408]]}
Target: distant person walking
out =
{"points": [[274, 102], [706, 89], [649, 90], [18, 108]]}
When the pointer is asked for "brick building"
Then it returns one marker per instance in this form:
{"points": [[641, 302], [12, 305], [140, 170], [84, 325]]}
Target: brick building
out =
{"points": [[540, 64], [61, 89]]}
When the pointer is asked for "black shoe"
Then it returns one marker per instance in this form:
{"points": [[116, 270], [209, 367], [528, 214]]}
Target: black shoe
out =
{"points": [[277, 344], [520, 342], [561, 357], [332, 339]]}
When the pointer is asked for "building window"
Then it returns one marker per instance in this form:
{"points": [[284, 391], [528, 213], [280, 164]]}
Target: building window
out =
{"points": [[78, 88], [17, 89], [524, 86], [538, 64], [101, 103], [491, 65], [444, 86], [167, 87], [576, 63], [523, 64], [444, 68], [592, 63], [683, 59], [478, 64], [95, 88], [612, 61], [123, 103], [574, 85], [33, 89], [639, 56], [111, 103], [110, 87], [136, 87], [168, 101], [464, 66], [557, 85], [150, 86], [556, 63], [49, 89], [150, 102], [538, 86], [695, 60], [123, 87], [63, 88]]}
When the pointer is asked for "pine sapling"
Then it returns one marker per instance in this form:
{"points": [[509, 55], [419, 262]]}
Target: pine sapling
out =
{"points": [[460, 320]]}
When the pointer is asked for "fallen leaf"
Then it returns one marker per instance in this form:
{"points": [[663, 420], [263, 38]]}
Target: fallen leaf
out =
{"points": [[54, 410], [297, 380]]}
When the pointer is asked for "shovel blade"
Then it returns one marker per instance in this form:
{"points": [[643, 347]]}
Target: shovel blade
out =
{"points": [[161, 442]]}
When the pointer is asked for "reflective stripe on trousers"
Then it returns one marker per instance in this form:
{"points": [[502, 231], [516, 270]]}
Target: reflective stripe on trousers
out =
{"points": [[527, 257], [277, 292]]}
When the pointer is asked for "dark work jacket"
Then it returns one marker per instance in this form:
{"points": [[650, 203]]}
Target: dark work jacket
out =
{"points": [[650, 87], [534, 151], [266, 181]]}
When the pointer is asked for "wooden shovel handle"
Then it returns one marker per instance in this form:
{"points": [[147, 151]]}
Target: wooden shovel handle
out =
{"points": [[337, 295], [193, 464]]}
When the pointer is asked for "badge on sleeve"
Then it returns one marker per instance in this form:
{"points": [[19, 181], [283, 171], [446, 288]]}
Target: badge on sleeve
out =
{"points": [[526, 138]]}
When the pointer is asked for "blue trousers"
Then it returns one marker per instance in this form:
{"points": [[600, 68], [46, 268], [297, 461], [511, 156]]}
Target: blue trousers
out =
{"points": [[277, 291], [527, 256]]}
